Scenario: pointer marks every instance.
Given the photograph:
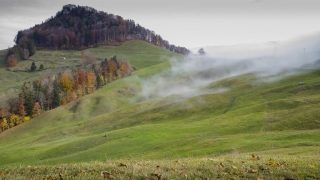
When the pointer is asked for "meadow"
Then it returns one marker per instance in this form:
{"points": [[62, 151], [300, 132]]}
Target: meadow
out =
{"points": [[256, 130]]}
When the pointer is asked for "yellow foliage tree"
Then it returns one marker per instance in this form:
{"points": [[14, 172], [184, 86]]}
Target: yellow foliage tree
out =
{"points": [[4, 124], [14, 120], [67, 84], [26, 119], [91, 81], [67, 81]]}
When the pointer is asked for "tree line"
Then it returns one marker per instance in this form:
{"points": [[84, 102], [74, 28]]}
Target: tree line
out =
{"points": [[51, 92], [21, 51], [79, 27]]}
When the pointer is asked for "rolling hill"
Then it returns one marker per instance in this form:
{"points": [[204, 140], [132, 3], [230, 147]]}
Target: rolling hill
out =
{"points": [[140, 54], [276, 120]]}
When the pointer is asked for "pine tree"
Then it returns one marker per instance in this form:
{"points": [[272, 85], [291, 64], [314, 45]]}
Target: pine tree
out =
{"points": [[28, 91], [33, 66], [56, 99], [41, 67], [98, 79]]}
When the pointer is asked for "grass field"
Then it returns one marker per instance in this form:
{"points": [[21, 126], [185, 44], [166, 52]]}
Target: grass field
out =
{"points": [[140, 54], [208, 136]]}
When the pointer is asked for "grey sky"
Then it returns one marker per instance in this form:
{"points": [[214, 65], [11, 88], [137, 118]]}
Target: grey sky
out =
{"points": [[183, 23]]}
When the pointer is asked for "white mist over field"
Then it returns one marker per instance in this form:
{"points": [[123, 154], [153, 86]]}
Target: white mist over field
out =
{"points": [[188, 77]]}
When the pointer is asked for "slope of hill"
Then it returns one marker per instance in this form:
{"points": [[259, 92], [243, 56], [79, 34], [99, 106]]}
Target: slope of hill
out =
{"points": [[276, 118], [251, 117], [139, 53]]}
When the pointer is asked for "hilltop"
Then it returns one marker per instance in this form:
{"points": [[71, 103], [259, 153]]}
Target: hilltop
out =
{"points": [[79, 27]]}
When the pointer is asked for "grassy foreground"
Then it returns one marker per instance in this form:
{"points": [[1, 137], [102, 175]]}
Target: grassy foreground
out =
{"points": [[210, 136], [225, 167]]}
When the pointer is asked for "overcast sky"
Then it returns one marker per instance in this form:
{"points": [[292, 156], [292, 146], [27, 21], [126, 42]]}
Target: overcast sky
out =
{"points": [[183, 23]]}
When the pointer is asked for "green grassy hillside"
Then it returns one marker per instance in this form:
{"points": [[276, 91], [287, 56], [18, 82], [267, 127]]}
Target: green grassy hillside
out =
{"points": [[278, 120], [140, 54]]}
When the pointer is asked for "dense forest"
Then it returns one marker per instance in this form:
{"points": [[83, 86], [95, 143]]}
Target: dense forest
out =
{"points": [[79, 27], [48, 93]]}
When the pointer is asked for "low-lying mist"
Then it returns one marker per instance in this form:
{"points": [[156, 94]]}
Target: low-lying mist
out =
{"points": [[188, 77]]}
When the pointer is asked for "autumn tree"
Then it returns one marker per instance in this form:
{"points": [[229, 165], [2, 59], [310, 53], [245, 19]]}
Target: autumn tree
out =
{"points": [[11, 61], [124, 67], [112, 66], [81, 79], [105, 70], [4, 124], [63, 101], [66, 81], [25, 119], [67, 84], [14, 120], [91, 81], [19, 105], [36, 109]]}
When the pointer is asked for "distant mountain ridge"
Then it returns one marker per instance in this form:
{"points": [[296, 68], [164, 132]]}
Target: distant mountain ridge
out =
{"points": [[79, 27]]}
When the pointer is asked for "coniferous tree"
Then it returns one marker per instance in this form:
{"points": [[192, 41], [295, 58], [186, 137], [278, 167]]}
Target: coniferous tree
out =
{"points": [[28, 91], [33, 67], [56, 99], [41, 67]]}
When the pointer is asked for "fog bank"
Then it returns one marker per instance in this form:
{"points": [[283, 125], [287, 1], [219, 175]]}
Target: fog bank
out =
{"points": [[188, 77]]}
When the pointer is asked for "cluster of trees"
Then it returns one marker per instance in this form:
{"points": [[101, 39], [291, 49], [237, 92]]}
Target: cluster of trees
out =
{"points": [[51, 92], [79, 27], [33, 67], [23, 49]]}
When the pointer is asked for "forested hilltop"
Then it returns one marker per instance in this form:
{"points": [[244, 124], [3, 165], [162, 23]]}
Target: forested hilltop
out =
{"points": [[79, 27]]}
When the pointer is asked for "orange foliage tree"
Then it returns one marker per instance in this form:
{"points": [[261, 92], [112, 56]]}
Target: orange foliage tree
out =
{"points": [[36, 109], [11, 61], [91, 81], [19, 105], [81, 79], [112, 65]]}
